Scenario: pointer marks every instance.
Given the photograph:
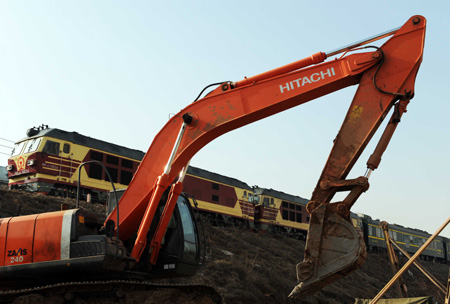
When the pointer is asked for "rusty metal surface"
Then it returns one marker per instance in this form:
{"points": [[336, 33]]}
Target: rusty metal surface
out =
{"points": [[333, 249]]}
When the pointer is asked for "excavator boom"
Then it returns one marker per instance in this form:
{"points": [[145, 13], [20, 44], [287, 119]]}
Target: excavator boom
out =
{"points": [[386, 78]]}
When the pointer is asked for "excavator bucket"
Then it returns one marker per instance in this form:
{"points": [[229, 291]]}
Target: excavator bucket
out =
{"points": [[334, 248]]}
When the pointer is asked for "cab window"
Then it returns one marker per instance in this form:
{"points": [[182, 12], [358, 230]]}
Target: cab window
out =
{"points": [[32, 145], [51, 147], [17, 149], [66, 148]]}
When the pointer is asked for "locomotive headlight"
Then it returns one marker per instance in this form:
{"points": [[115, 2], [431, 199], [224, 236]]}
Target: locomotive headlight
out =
{"points": [[9, 167], [31, 162]]}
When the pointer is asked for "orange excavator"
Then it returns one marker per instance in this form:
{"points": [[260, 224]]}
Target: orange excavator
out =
{"points": [[152, 231]]}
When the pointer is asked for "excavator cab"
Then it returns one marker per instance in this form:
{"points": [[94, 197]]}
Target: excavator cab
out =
{"points": [[180, 252], [180, 247]]}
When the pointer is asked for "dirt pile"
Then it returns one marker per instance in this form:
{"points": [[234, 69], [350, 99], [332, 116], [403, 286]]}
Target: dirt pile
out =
{"points": [[246, 267], [249, 267]]}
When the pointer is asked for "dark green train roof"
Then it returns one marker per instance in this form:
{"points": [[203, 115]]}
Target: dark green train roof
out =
{"points": [[280, 195], [87, 141], [218, 178]]}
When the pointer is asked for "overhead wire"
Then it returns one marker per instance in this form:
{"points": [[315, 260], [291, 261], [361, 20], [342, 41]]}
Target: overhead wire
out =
{"points": [[6, 139]]}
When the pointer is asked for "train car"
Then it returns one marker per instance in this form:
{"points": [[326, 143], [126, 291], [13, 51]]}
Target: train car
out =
{"points": [[447, 249], [280, 212], [48, 159], [3, 178], [408, 239], [224, 200]]}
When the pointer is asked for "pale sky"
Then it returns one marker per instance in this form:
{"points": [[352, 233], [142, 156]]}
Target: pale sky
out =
{"points": [[117, 70]]}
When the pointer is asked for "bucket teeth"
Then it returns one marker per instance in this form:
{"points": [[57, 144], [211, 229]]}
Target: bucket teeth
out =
{"points": [[334, 248]]}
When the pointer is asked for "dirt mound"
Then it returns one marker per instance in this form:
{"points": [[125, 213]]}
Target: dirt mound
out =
{"points": [[246, 267]]}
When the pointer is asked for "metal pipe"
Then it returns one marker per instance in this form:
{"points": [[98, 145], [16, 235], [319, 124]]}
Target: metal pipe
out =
{"points": [[406, 266], [424, 271], [362, 42]]}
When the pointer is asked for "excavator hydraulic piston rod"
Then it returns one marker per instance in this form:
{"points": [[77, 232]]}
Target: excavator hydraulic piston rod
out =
{"points": [[362, 42]]}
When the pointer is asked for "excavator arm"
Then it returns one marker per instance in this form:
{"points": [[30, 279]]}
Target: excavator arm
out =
{"points": [[386, 77]]}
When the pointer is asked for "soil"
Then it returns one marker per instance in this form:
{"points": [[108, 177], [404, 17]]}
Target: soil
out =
{"points": [[244, 267]]}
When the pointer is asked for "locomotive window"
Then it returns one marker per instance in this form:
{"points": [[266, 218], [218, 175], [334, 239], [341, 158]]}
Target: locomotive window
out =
{"points": [[215, 186], [299, 218], [266, 201], [112, 160], [51, 147], [379, 233], [285, 214], [245, 193], [125, 177], [113, 173], [96, 156], [17, 149], [307, 219], [291, 206], [32, 145], [215, 198], [292, 216], [285, 204], [298, 208], [127, 163], [66, 148], [95, 171], [272, 201]]}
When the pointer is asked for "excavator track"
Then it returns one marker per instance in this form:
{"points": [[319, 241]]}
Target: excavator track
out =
{"points": [[113, 291]]}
